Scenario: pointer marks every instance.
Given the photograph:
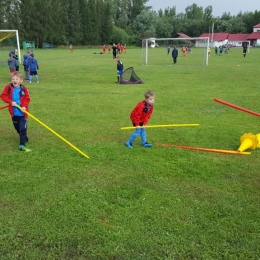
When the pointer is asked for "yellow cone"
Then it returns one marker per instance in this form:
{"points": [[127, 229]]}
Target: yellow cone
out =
{"points": [[248, 141]]}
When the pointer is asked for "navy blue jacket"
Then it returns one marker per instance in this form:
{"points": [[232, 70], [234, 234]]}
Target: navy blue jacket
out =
{"points": [[174, 52]]}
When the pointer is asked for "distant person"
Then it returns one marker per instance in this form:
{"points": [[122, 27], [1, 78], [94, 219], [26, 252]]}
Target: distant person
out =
{"points": [[168, 49], [17, 59], [17, 94], [216, 50], [71, 48], [114, 49], [120, 69], [140, 117], [183, 50], [11, 62], [104, 49], [26, 67], [174, 55], [208, 51], [220, 50], [118, 48], [244, 50], [33, 67]]}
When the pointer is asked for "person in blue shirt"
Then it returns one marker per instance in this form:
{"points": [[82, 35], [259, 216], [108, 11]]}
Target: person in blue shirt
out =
{"points": [[26, 67], [120, 69], [33, 67], [216, 50], [174, 55], [168, 49]]}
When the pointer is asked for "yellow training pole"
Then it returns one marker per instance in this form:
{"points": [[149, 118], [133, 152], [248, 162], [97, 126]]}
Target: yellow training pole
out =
{"points": [[63, 139], [155, 126]]}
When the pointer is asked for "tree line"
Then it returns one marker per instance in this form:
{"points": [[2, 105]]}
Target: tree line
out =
{"points": [[98, 22]]}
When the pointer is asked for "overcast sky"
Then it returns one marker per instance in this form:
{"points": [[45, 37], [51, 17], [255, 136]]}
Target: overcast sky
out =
{"points": [[219, 6]]}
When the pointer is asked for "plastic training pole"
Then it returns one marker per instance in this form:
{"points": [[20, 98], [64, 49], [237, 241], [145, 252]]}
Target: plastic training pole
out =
{"points": [[3, 107], [236, 107], [63, 139], [212, 150], [156, 126]]}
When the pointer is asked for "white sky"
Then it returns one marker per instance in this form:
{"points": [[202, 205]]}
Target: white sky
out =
{"points": [[219, 6]]}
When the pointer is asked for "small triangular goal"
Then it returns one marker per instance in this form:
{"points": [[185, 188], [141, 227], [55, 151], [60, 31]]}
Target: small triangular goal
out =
{"points": [[129, 77]]}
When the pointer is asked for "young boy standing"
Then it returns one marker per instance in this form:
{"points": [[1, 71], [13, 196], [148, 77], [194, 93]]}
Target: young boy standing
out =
{"points": [[120, 69], [139, 117], [17, 94], [11, 62], [33, 67]]}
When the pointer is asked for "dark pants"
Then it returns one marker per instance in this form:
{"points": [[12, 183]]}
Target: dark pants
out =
{"points": [[20, 125], [174, 60]]}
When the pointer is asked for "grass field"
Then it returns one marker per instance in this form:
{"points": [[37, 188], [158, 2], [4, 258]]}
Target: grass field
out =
{"points": [[141, 203]]}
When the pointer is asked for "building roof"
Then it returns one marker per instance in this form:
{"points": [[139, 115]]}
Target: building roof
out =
{"points": [[181, 35], [238, 37], [257, 26], [216, 36], [253, 36]]}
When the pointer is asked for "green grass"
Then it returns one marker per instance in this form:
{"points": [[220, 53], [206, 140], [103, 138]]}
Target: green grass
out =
{"points": [[158, 203]]}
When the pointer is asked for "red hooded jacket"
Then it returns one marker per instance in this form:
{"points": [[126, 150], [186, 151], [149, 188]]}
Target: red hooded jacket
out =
{"points": [[141, 113], [7, 95]]}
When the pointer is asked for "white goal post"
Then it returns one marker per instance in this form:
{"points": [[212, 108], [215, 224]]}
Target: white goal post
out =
{"points": [[201, 43], [4, 34]]}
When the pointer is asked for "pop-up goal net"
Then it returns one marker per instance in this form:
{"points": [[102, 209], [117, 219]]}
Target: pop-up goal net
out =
{"points": [[4, 36], [158, 51], [129, 77]]}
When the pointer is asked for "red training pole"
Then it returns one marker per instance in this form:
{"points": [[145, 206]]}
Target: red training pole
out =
{"points": [[236, 107], [3, 107]]}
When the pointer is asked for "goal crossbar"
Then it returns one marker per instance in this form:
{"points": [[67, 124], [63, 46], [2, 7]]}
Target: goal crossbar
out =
{"points": [[4, 34], [147, 40]]}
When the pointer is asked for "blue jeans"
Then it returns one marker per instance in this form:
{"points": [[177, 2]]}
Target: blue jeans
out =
{"points": [[138, 131]]}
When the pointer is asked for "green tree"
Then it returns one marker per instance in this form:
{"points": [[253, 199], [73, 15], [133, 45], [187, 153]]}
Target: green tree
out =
{"points": [[194, 12], [106, 24], [119, 35], [144, 25]]}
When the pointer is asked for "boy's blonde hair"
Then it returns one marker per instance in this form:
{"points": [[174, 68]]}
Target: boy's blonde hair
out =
{"points": [[148, 93], [17, 74]]}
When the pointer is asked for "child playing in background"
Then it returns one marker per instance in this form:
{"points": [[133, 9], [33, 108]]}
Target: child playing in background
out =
{"points": [[139, 117], [71, 48], [120, 69], [11, 62], [26, 67], [17, 94], [33, 67]]}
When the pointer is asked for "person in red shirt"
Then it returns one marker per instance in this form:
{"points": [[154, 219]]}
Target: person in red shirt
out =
{"points": [[139, 117], [125, 48], [104, 49], [16, 94], [71, 48], [118, 48]]}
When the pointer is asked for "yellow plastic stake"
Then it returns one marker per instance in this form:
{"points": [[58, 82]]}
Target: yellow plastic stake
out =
{"points": [[156, 126], [63, 139]]}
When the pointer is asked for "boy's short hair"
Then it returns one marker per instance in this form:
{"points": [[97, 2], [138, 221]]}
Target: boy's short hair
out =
{"points": [[17, 74], [148, 94]]}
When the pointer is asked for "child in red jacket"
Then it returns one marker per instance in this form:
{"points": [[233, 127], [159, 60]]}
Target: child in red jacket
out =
{"points": [[17, 94], [139, 117]]}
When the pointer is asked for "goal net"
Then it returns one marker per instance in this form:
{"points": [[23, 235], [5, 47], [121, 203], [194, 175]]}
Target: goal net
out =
{"points": [[9, 38], [191, 51]]}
